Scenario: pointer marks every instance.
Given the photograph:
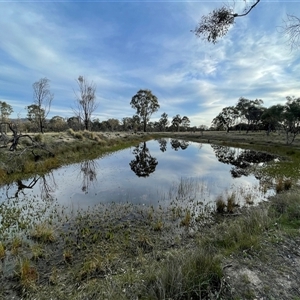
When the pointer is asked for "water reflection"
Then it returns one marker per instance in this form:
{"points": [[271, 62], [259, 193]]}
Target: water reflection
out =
{"points": [[179, 144], [143, 164], [88, 174], [146, 173], [242, 160], [47, 186], [162, 145]]}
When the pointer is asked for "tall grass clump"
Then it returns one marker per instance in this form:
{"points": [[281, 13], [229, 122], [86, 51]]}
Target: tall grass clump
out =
{"points": [[220, 205], [285, 209], [231, 203], [241, 233], [100, 141], [27, 273], [78, 135], [192, 275], [283, 185], [186, 221], [71, 132], [2, 251], [43, 233]]}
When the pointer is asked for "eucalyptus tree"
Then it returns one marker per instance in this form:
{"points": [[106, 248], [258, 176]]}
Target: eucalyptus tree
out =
{"points": [[272, 117], [74, 123], [163, 121], [291, 119], [126, 123], [136, 122], [145, 104], [96, 125], [5, 112], [85, 101], [42, 100], [226, 118], [58, 123], [249, 111], [36, 116], [217, 23], [113, 124], [185, 122], [176, 121]]}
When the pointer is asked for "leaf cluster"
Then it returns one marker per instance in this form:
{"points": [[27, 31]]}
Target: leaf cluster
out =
{"points": [[215, 25]]}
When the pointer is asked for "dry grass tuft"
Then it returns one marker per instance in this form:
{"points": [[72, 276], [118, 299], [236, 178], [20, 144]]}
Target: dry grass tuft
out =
{"points": [[2, 251], [27, 273], [43, 233], [220, 205]]}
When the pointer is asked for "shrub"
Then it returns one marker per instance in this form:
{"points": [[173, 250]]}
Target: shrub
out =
{"points": [[287, 184], [78, 135], [38, 138], [282, 185], [220, 205]]}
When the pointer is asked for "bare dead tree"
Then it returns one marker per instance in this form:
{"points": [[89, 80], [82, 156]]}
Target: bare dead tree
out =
{"points": [[13, 141], [42, 98], [16, 136], [216, 24], [85, 101]]}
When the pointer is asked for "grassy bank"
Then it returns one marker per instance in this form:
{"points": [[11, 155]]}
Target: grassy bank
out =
{"points": [[126, 251], [53, 150]]}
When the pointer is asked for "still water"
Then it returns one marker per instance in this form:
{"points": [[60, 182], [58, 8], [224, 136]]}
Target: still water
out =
{"points": [[151, 173]]}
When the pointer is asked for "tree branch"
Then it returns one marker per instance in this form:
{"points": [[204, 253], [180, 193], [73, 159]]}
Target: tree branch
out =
{"points": [[292, 29], [246, 13]]}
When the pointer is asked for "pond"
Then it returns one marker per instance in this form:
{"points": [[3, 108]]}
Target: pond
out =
{"points": [[153, 173]]}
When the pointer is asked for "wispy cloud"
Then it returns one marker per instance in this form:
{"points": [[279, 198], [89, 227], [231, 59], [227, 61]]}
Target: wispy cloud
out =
{"points": [[124, 47]]}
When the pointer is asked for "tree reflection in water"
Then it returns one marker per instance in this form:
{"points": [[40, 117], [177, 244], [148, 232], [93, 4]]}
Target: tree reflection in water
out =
{"points": [[47, 186], [176, 144], [88, 173], [241, 159], [162, 144], [143, 164]]}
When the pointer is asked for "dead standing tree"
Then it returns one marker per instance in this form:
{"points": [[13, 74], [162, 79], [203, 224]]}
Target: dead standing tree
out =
{"points": [[42, 98], [85, 101]]}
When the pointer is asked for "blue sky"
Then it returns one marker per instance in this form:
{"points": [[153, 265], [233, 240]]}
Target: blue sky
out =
{"points": [[125, 46]]}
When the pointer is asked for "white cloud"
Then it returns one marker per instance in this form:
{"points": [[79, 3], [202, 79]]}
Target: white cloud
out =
{"points": [[155, 50]]}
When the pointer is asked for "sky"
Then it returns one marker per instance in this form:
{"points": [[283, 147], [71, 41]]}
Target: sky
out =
{"points": [[125, 46]]}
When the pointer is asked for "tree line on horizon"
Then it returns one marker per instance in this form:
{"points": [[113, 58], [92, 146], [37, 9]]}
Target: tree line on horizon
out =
{"points": [[252, 115], [144, 102]]}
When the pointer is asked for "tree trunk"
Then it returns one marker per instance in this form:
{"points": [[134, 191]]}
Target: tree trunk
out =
{"points": [[145, 124]]}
